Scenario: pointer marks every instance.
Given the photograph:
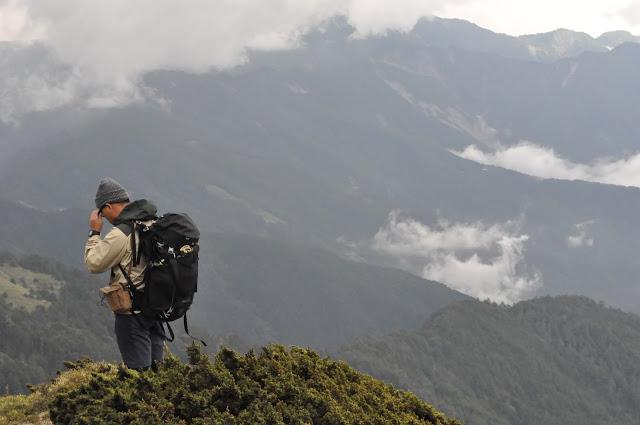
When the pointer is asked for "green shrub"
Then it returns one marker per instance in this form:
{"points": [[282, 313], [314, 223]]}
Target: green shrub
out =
{"points": [[33, 408], [275, 386]]}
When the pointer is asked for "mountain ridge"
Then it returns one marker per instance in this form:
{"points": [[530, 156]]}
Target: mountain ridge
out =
{"points": [[549, 46]]}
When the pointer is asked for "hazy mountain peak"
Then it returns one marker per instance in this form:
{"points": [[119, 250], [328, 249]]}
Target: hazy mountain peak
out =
{"points": [[560, 43], [549, 46], [613, 39], [618, 33]]}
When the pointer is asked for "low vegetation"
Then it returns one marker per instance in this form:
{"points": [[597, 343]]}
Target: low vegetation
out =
{"points": [[34, 408], [275, 386]]}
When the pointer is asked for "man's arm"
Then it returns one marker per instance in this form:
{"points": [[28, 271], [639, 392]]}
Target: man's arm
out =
{"points": [[102, 254]]}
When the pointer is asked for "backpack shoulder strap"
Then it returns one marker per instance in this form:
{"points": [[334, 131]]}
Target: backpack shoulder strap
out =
{"points": [[129, 229], [126, 276], [126, 228]]}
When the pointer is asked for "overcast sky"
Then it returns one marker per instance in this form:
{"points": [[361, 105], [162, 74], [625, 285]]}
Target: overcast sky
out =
{"points": [[532, 16], [511, 16]]}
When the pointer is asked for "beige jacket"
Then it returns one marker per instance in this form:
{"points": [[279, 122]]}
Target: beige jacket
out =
{"points": [[101, 255]]}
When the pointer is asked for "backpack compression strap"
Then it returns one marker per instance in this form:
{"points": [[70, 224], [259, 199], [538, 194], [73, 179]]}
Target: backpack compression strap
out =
{"points": [[186, 329]]}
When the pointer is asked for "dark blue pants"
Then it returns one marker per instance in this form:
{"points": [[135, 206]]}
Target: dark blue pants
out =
{"points": [[140, 340]]}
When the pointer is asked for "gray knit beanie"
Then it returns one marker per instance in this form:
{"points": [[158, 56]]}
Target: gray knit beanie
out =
{"points": [[110, 191]]}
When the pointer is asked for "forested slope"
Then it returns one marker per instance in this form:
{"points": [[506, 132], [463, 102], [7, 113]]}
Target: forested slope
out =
{"points": [[545, 361], [56, 318]]}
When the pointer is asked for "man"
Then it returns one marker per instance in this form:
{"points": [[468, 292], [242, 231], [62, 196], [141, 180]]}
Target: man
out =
{"points": [[140, 340]]}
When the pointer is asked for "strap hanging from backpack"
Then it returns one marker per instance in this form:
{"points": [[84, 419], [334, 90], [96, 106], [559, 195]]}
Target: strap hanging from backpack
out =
{"points": [[186, 329], [173, 337]]}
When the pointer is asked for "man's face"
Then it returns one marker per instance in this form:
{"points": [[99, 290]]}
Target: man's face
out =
{"points": [[111, 211]]}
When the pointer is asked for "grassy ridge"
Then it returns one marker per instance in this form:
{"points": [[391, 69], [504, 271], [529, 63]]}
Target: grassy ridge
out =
{"points": [[26, 289]]}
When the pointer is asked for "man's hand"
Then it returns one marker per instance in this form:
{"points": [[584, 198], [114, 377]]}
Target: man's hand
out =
{"points": [[95, 221]]}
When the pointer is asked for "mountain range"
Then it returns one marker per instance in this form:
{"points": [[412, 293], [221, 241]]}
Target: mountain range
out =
{"points": [[545, 47], [319, 145]]}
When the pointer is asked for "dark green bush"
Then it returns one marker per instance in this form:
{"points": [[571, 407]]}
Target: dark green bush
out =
{"points": [[276, 386]]}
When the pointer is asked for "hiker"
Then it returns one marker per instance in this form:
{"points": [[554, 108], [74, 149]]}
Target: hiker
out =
{"points": [[140, 339]]}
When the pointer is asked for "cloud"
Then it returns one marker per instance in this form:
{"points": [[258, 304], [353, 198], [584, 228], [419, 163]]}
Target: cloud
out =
{"points": [[31, 94], [538, 161], [581, 236], [484, 261], [371, 17], [631, 13], [15, 24], [110, 45], [31, 80]]}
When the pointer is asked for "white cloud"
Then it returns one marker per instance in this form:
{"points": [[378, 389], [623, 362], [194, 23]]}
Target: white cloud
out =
{"points": [[484, 261], [497, 279], [538, 161], [31, 80], [377, 16], [32, 93], [15, 24], [581, 235], [631, 13]]}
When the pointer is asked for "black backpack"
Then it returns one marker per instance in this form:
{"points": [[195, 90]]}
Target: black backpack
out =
{"points": [[170, 247]]}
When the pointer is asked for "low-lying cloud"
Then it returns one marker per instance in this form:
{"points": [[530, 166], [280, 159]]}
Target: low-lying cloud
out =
{"points": [[539, 161], [580, 236], [484, 261]]}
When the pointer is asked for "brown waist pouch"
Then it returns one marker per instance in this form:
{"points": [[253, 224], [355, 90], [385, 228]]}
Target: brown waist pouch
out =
{"points": [[118, 298]]}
